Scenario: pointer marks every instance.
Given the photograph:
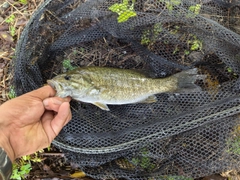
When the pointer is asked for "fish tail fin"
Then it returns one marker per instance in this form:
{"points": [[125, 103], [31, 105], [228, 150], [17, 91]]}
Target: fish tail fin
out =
{"points": [[186, 80]]}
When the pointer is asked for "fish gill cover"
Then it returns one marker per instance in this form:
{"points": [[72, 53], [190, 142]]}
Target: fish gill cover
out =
{"points": [[182, 135]]}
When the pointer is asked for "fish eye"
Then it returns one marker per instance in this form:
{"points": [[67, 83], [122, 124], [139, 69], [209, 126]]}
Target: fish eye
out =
{"points": [[67, 77]]}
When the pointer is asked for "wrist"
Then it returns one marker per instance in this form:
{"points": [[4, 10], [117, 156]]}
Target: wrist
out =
{"points": [[6, 146]]}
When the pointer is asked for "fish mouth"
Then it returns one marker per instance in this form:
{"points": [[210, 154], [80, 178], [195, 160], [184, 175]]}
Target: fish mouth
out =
{"points": [[58, 88], [53, 84]]}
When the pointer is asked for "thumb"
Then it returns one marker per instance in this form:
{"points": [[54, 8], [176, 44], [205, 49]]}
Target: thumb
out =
{"points": [[53, 125], [62, 118]]}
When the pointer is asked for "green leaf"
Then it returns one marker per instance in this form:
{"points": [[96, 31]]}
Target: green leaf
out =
{"points": [[195, 9], [192, 8], [124, 10], [196, 45], [186, 52], [176, 2], [229, 70], [198, 8], [12, 30], [169, 6], [15, 175], [125, 2], [126, 15], [10, 19], [12, 93], [115, 8], [25, 169], [67, 64], [24, 2]]}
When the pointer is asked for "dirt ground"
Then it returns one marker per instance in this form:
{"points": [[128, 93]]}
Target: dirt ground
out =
{"points": [[14, 15]]}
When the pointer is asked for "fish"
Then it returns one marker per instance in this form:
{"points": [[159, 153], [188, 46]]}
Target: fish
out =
{"points": [[103, 86]]}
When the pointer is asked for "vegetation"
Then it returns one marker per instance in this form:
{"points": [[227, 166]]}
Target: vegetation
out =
{"points": [[24, 2], [150, 36], [67, 65], [10, 20], [194, 43], [171, 3], [144, 161], [11, 93], [195, 9], [22, 166], [124, 10], [233, 142]]}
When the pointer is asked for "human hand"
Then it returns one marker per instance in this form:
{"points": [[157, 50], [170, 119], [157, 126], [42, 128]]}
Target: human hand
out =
{"points": [[30, 122]]}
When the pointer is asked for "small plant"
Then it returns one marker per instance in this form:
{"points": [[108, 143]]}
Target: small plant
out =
{"points": [[175, 30], [10, 20], [24, 2], [150, 36], [186, 52], [145, 39], [22, 167], [194, 10], [124, 10], [234, 146], [233, 142], [67, 65], [176, 50], [12, 92], [232, 73], [194, 43], [171, 3], [20, 172], [12, 30], [144, 161]]}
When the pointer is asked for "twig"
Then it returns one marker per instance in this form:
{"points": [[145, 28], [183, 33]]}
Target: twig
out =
{"points": [[53, 154]]}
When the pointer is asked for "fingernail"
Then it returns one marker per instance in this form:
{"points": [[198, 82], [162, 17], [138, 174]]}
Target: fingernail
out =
{"points": [[45, 102], [67, 99], [57, 102]]}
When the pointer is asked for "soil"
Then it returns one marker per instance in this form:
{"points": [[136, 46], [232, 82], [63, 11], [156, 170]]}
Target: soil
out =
{"points": [[14, 15]]}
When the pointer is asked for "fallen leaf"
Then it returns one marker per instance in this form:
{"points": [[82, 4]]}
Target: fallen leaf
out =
{"points": [[6, 36], [46, 167], [78, 174], [21, 22], [3, 27]]}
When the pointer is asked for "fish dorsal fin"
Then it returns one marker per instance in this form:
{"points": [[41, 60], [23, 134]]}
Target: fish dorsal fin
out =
{"points": [[101, 106], [149, 99]]}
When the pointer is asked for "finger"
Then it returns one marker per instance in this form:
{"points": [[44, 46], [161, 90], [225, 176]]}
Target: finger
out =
{"points": [[54, 103], [46, 123], [68, 118], [61, 118], [43, 92]]}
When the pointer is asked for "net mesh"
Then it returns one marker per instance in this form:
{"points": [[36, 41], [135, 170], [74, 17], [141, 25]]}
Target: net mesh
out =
{"points": [[182, 135]]}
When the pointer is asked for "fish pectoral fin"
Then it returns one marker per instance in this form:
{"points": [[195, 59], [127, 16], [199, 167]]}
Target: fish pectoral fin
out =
{"points": [[101, 106], [149, 99]]}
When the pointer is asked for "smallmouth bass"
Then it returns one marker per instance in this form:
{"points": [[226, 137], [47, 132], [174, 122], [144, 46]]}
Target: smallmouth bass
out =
{"points": [[103, 85]]}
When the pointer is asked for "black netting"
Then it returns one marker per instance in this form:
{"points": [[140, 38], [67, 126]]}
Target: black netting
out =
{"points": [[182, 135]]}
